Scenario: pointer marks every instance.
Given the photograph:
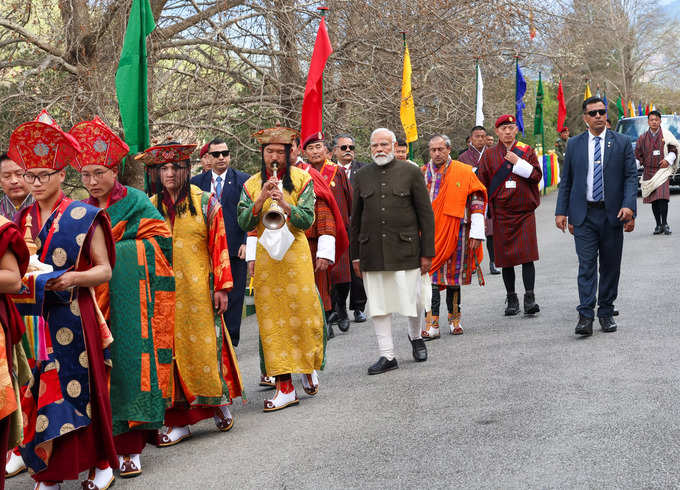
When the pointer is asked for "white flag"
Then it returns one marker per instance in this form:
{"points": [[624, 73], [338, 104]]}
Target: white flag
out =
{"points": [[479, 113]]}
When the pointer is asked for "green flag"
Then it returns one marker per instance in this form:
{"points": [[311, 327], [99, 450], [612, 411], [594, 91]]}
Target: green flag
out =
{"points": [[538, 118], [619, 107], [538, 130], [131, 77]]}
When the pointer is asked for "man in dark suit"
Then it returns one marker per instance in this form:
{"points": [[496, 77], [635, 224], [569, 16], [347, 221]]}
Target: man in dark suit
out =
{"points": [[343, 151], [226, 183], [598, 196]]}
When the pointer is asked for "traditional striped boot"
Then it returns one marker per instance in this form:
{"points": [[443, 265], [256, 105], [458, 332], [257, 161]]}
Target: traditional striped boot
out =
{"points": [[431, 331]]}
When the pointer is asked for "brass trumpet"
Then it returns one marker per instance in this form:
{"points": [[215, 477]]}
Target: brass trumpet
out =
{"points": [[274, 218]]}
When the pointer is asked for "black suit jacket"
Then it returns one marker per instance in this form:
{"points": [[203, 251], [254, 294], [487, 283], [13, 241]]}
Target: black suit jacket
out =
{"points": [[354, 168], [231, 193], [619, 172]]}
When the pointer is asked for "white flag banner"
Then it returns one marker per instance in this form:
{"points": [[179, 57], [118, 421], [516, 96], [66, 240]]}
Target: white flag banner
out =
{"points": [[479, 114]]}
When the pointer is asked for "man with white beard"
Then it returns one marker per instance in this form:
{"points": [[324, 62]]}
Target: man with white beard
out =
{"points": [[392, 244]]}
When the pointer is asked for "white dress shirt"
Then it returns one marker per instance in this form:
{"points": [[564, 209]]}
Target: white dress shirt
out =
{"points": [[213, 184], [591, 163]]}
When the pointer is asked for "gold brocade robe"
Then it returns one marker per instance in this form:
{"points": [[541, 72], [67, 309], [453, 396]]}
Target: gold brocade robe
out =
{"points": [[204, 358], [286, 300]]}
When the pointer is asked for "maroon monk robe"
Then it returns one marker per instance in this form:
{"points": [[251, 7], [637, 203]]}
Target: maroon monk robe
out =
{"points": [[10, 320], [473, 157], [512, 207], [647, 143]]}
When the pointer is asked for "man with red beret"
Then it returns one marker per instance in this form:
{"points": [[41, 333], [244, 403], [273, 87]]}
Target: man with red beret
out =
{"points": [[206, 159], [314, 147], [561, 144], [510, 172]]}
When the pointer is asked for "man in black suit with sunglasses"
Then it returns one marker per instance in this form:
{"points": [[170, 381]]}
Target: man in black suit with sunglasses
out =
{"points": [[597, 201], [343, 152], [226, 183]]}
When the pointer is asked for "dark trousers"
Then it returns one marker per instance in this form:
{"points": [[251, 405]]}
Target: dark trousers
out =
{"points": [[232, 317], [357, 295], [596, 238], [339, 294], [452, 293]]}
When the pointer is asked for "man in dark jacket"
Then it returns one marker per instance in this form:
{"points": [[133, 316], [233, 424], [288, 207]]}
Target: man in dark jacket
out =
{"points": [[226, 183], [392, 244], [343, 151], [598, 197]]}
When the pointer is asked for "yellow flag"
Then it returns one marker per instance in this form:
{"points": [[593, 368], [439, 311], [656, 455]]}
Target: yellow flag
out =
{"points": [[407, 111], [588, 93], [631, 109]]}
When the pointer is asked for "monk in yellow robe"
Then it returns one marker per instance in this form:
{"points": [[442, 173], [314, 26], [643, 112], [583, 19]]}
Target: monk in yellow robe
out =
{"points": [[287, 303], [206, 373]]}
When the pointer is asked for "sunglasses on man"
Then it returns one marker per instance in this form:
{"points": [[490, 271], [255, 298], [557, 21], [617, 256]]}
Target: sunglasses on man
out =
{"points": [[216, 154], [346, 147], [594, 113]]}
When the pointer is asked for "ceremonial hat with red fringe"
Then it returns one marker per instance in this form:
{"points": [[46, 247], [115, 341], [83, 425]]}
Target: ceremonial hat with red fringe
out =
{"points": [[99, 145], [42, 144], [162, 154]]}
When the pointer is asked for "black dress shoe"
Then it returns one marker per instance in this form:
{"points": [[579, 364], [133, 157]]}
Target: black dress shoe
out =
{"points": [[658, 230], [513, 305], [359, 316], [333, 317], [343, 324], [607, 324], [419, 350], [331, 333], [530, 306], [493, 270], [383, 365], [667, 230], [615, 312], [584, 326]]}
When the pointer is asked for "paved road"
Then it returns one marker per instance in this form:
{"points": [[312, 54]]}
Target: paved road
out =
{"points": [[517, 402]]}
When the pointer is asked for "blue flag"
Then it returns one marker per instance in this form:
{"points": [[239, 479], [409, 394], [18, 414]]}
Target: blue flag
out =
{"points": [[640, 112], [604, 99], [520, 90]]}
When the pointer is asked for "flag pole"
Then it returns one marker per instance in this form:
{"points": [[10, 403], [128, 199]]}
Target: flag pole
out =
{"points": [[410, 145], [545, 190], [322, 10]]}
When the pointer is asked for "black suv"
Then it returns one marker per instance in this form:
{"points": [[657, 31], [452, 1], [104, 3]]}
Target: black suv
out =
{"points": [[633, 127]]}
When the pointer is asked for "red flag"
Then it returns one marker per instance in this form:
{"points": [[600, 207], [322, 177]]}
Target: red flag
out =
{"points": [[561, 108], [311, 104]]}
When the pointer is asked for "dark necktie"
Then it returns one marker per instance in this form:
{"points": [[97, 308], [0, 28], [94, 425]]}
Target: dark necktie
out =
{"points": [[598, 188]]}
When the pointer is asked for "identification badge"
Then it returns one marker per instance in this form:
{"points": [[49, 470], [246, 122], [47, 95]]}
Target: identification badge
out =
{"points": [[656, 153], [510, 184]]}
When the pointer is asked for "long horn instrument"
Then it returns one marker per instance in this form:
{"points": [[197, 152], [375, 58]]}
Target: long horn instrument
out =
{"points": [[275, 218]]}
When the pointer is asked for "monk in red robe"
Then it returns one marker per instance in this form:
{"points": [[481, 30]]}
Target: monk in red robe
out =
{"points": [[510, 172]]}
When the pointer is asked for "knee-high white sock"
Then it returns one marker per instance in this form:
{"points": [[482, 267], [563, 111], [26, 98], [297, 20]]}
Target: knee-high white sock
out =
{"points": [[415, 325], [383, 331]]}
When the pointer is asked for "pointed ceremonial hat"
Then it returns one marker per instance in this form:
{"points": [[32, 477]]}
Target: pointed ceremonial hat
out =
{"points": [[42, 144], [100, 145]]}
